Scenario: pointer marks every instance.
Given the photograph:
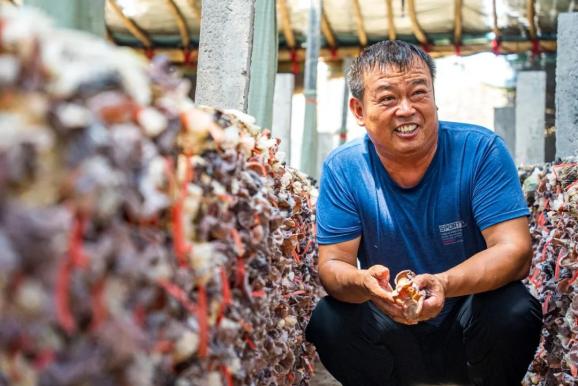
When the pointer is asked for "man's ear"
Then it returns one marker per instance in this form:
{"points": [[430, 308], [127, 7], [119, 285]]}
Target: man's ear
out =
{"points": [[356, 108]]}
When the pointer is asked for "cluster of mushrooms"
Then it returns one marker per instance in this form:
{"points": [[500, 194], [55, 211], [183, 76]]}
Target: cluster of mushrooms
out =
{"points": [[552, 193], [143, 241]]}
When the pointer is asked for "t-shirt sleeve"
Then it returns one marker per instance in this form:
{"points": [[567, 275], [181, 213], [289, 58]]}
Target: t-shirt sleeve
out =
{"points": [[497, 193], [337, 216]]}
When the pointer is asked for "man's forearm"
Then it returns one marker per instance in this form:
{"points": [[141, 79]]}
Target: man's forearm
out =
{"points": [[486, 270], [343, 281]]}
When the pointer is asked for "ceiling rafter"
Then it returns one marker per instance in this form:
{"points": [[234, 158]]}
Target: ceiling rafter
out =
{"points": [[130, 25], [361, 34], [531, 12], [286, 23], [496, 30], [458, 5], [181, 23], [391, 33], [327, 30], [415, 27], [286, 56], [196, 7]]}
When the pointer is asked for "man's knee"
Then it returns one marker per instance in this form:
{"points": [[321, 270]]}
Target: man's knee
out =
{"points": [[339, 332], [502, 331], [329, 321], [509, 311]]}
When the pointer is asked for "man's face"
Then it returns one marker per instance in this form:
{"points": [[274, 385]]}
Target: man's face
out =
{"points": [[398, 111]]}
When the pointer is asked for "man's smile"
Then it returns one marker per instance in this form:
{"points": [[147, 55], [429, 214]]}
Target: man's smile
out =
{"points": [[406, 130]]}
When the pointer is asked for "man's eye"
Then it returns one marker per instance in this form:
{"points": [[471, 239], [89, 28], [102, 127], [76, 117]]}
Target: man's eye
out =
{"points": [[386, 99]]}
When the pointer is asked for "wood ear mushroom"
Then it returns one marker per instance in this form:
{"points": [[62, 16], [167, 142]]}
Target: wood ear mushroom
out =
{"points": [[408, 295]]}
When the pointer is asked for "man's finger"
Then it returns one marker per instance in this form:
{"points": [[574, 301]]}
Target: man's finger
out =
{"points": [[381, 293]]}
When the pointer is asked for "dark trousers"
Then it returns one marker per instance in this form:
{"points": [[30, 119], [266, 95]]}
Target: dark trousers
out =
{"points": [[488, 339]]}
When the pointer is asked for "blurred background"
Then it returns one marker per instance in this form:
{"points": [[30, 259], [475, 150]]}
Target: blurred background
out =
{"points": [[295, 48]]}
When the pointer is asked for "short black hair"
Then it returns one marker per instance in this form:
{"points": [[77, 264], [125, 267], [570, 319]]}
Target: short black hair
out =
{"points": [[381, 55]]}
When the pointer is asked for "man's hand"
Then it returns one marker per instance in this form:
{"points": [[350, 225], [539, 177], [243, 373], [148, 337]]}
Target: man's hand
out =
{"points": [[376, 282], [435, 295]]}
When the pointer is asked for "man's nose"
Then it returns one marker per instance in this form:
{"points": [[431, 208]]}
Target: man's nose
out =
{"points": [[405, 107]]}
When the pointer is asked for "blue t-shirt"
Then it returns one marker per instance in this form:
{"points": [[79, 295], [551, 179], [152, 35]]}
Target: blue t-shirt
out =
{"points": [[470, 185]]}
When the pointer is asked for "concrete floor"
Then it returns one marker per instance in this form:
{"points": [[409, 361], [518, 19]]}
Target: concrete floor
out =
{"points": [[322, 377]]}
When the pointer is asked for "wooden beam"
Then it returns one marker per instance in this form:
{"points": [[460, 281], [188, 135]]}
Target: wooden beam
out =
{"points": [[495, 28], [175, 55], [130, 25], [181, 23], [286, 26], [391, 34], [437, 51], [531, 12], [361, 34], [327, 30], [458, 22], [196, 7], [415, 27]]}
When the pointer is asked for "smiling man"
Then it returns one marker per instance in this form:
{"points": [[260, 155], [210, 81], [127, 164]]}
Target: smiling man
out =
{"points": [[441, 199]]}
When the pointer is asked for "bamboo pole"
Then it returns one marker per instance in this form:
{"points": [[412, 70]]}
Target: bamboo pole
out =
{"points": [[181, 23], [194, 4], [361, 34], [327, 31], [458, 22], [531, 11], [391, 34], [130, 25], [286, 26], [175, 55], [495, 28], [415, 27]]}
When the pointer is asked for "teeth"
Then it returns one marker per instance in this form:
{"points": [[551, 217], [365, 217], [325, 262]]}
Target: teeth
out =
{"points": [[406, 128]]}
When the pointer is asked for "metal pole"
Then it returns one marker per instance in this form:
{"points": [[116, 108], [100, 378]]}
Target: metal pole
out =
{"points": [[263, 63], [309, 147], [345, 106]]}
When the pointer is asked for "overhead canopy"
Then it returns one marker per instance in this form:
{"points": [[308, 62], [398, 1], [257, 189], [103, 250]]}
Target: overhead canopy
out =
{"points": [[441, 26]]}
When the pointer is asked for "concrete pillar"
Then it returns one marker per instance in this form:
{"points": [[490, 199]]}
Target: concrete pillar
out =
{"points": [[310, 134], [505, 126], [225, 47], [263, 63], [282, 109], [85, 15], [530, 117], [567, 86]]}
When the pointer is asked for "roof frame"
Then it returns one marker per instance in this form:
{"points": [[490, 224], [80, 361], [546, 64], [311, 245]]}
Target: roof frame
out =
{"points": [[181, 23], [286, 26], [391, 33], [415, 27], [360, 25], [458, 4], [131, 25], [327, 30]]}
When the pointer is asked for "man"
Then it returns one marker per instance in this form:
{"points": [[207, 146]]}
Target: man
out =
{"points": [[441, 199]]}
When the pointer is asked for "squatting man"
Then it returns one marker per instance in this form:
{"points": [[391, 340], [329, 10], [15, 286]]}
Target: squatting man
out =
{"points": [[441, 199]]}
